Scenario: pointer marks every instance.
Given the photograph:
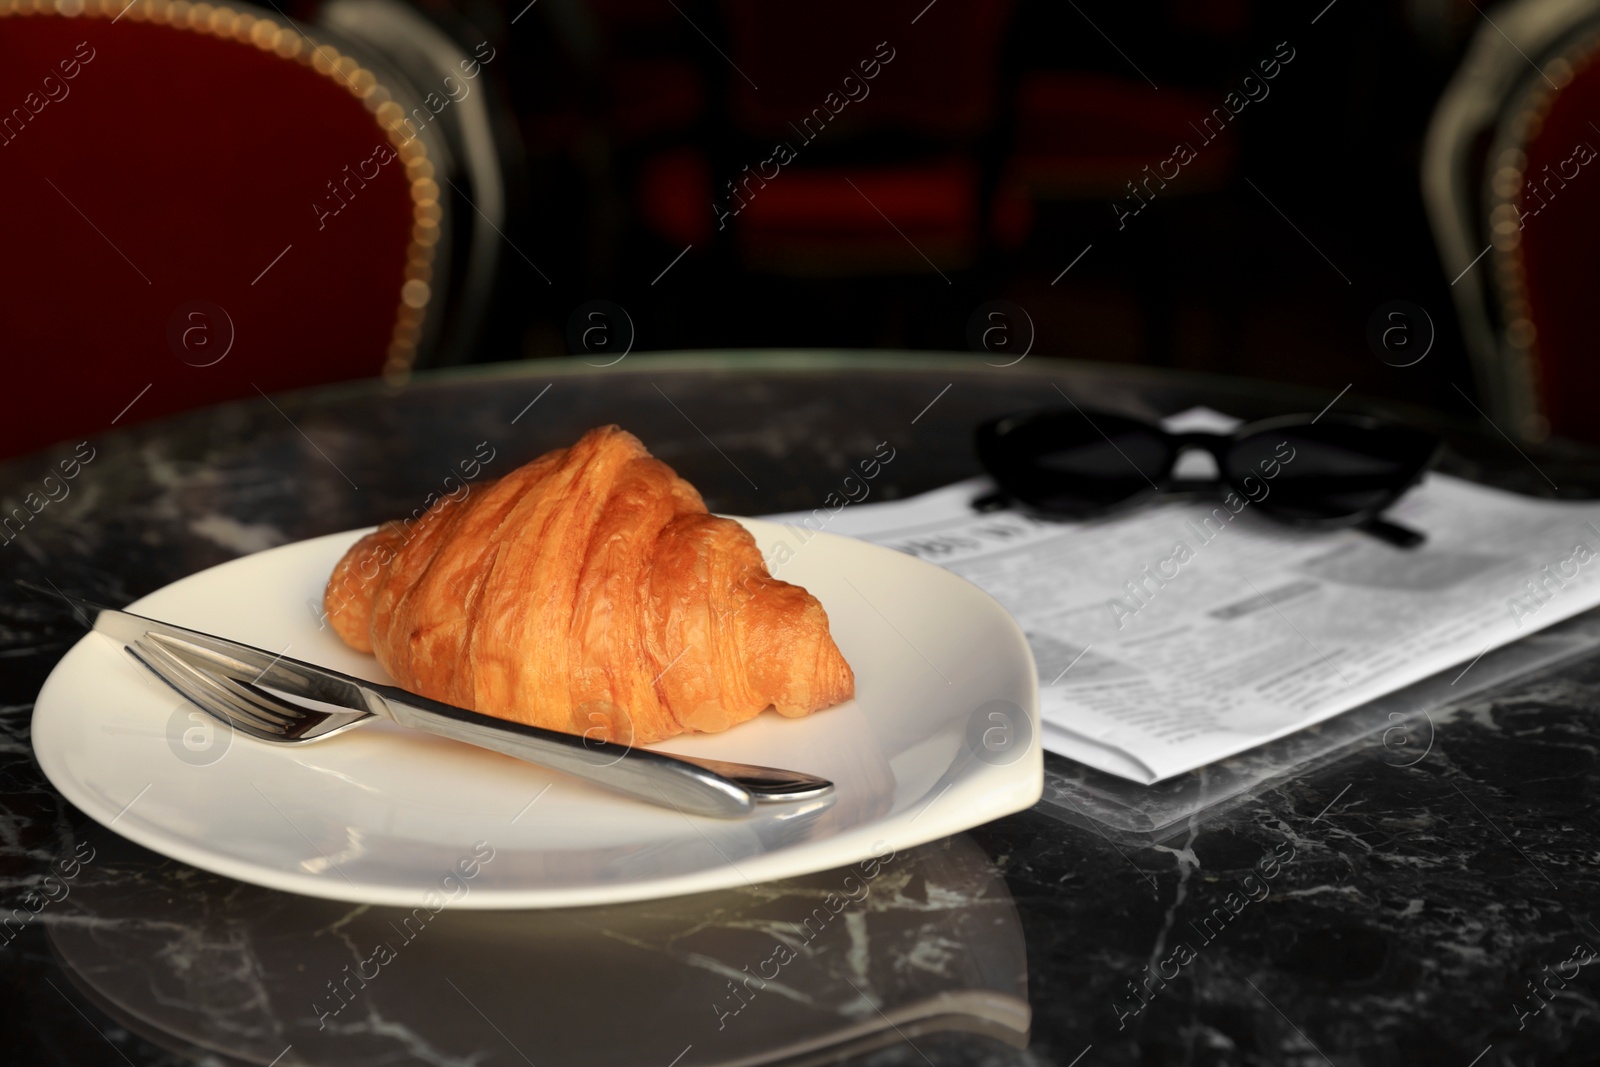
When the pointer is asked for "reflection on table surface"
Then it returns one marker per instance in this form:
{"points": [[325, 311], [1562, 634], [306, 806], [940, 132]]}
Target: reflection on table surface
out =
{"points": [[794, 972], [1425, 894]]}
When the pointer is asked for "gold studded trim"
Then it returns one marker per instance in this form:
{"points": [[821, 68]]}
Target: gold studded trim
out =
{"points": [[1507, 183], [270, 34]]}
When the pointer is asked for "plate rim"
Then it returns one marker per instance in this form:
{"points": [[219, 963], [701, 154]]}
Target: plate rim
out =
{"points": [[858, 843]]}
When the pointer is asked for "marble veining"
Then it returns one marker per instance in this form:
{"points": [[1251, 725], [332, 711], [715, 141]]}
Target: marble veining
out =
{"points": [[1413, 915]]}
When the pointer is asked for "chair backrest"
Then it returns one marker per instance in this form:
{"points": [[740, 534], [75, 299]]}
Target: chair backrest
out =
{"points": [[474, 158], [1510, 199], [204, 203], [1544, 219]]}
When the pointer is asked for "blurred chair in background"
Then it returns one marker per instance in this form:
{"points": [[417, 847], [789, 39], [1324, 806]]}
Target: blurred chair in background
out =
{"points": [[916, 154], [1511, 177], [1088, 136], [651, 91], [477, 156], [638, 97], [889, 163], [207, 203]]}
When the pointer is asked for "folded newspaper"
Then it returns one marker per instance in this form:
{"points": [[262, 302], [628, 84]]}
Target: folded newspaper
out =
{"points": [[1187, 632]]}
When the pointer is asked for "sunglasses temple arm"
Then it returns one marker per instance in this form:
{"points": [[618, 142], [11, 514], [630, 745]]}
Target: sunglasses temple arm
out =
{"points": [[1393, 533]]}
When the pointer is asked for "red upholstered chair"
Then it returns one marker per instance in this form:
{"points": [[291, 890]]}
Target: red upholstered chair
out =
{"points": [[202, 203], [1512, 180]]}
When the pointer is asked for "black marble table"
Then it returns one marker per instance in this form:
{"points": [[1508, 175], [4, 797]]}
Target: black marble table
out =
{"points": [[1439, 913]]}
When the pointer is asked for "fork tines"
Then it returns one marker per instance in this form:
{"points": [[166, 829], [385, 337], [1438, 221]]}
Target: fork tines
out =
{"points": [[240, 705]]}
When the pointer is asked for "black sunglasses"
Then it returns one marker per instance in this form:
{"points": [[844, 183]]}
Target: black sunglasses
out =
{"points": [[1326, 472]]}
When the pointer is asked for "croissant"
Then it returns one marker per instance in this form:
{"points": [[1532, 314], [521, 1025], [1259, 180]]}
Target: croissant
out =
{"points": [[588, 591]]}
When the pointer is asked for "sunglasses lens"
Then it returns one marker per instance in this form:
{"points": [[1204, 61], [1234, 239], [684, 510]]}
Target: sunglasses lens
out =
{"points": [[1073, 464], [1327, 471]]}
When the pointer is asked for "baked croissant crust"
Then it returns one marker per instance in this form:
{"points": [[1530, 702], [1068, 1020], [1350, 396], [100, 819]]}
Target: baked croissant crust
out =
{"points": [[588, 591]]}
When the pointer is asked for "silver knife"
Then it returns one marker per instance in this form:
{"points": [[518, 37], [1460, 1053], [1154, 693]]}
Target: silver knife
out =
{"points": [[690, 784]]}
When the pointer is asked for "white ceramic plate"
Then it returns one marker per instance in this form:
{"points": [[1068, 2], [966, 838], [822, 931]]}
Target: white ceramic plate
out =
{"points": [[386, 815]]}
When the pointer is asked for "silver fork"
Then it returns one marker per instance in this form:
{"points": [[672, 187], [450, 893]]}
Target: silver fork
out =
{"points": [[230, 681]]}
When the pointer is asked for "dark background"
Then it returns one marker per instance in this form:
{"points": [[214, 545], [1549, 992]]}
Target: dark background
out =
{"points": [[976, 199], [1210, 277]]}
